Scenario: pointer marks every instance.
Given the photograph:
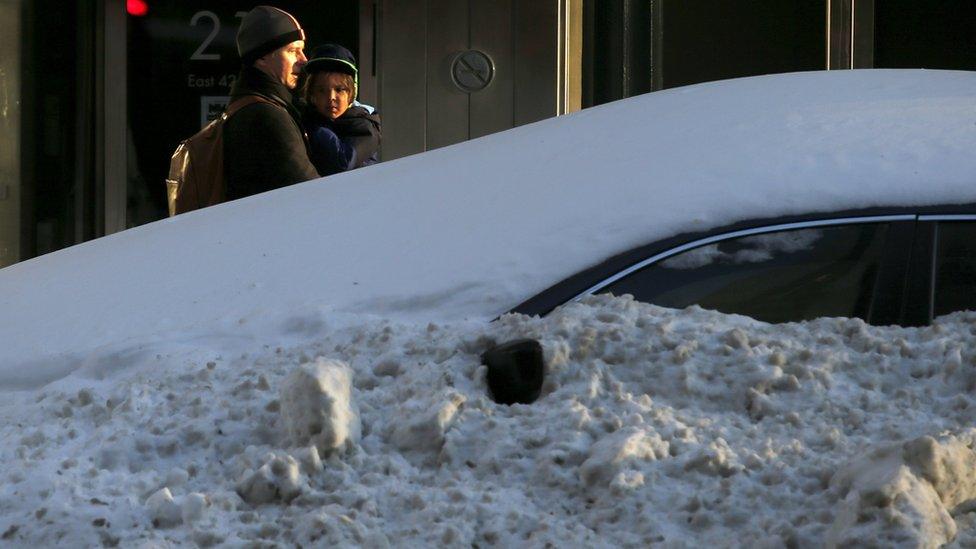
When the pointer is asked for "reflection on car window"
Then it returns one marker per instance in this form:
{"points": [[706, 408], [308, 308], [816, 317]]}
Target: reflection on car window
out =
{"points": [[753, 249], [776, 277], [955, 268]]}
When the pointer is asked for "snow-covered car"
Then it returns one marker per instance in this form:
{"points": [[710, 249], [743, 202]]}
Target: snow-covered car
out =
{"points": [[304, 367], [844, 193]]}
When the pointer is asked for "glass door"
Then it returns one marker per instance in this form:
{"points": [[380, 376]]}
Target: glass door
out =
{"points": [[47, 53]]}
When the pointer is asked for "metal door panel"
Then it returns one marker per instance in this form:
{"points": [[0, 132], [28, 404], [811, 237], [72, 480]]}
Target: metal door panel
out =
{"points": [[447, 106], [536, 54], [491, 32], [418, 41], [403, 81]]}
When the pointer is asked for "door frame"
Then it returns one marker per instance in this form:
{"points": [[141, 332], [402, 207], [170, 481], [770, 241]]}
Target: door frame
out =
{"points": [[850, 34]]}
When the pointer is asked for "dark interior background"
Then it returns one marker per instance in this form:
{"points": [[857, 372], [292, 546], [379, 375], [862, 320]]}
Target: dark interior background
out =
{"points": [[57, 125], [740, 39], [912, 34]]}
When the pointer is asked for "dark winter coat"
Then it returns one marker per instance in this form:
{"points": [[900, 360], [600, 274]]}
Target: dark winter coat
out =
{"points": [[348, 142], [265, 146]]}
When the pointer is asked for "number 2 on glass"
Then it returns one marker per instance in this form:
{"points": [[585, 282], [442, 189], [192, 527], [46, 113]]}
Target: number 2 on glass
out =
{"points": [[200, 53]]}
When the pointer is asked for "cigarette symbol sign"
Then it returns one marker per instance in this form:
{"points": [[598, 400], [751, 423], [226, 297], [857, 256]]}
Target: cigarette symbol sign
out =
{"points": [[472, 71]]}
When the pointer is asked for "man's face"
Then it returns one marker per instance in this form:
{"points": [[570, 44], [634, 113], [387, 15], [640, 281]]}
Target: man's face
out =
{"points": [[285, 63]]}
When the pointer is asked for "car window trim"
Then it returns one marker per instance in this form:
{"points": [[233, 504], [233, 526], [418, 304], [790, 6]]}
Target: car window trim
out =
{"points": [[952, 217], [746, 232]]}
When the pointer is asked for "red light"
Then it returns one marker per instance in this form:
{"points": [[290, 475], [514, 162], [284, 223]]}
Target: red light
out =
{"points": [[137, 8]]}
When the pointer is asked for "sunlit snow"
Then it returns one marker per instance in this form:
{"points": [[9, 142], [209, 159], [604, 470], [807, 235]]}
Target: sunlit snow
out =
{"points": [[655, 425], [302, 368]]}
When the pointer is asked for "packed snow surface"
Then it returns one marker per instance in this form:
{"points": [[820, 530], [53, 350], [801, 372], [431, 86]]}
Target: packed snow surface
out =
{"points": [[470, 231], [677, 427], [301, 368]]}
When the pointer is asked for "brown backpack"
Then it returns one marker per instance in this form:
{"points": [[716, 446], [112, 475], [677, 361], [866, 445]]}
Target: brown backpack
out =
{"points": [[196, 170]]}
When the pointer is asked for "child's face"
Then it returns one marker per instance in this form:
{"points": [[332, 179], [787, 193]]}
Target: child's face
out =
{"points": [[331, 94]]}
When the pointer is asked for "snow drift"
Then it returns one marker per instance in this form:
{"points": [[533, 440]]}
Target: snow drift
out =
{"points": [[655, 426]]}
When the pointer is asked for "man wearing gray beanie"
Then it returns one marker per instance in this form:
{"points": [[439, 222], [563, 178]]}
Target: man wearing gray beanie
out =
{"points": [[265, 146]]}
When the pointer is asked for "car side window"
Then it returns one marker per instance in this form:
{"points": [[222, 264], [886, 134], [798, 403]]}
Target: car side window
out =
{"points": [[776, 277], [955, 268]]}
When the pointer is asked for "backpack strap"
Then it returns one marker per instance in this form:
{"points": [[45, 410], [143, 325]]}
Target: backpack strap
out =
{"points": [[242, 102], [245, 100]]}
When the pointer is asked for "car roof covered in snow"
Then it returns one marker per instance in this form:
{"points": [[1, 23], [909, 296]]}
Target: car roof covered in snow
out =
{"points": [[471, 230]]}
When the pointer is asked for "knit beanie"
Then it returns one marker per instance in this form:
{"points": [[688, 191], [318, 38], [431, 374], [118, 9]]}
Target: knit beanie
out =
{"points": [[265, 29], [331, 58]]}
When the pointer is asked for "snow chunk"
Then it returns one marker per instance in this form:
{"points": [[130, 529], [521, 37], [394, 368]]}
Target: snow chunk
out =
{"points": [[615, 452], [906, 491], [163, 510], [717, 458], [949, 466], [426, 422], [177, 477], [277, 480], [194, 507], [310, 460], [317, 406], [166, 512]]}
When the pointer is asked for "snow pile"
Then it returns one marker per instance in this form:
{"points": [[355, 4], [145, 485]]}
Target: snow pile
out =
{"points": [[654, 426]]}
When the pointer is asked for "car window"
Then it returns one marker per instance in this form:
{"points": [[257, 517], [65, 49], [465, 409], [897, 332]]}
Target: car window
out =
{"points": [[955, 268], [776, 277]]}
